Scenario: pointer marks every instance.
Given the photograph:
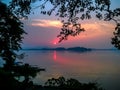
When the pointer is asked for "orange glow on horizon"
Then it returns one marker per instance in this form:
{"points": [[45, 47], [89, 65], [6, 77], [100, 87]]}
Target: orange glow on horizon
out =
{"points": [[99, 29]]}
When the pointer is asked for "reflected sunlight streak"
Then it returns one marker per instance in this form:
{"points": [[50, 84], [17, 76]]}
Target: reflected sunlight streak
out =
{"points": [[54, 55]]}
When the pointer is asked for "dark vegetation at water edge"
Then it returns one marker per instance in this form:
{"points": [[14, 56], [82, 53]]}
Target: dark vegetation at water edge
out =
{"points": [[70, 84], [7, 81]]}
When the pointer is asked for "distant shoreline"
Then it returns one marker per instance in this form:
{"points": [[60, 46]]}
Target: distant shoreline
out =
{"points": [[69, 49]]}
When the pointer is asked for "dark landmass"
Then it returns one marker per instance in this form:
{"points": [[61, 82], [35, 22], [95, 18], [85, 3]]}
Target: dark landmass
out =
{"points": [[78, 49], [58, 48], [72, 49], [105, 49]]}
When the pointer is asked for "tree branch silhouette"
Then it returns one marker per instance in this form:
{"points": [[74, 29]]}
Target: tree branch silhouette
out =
{"points": [[74, 11]]}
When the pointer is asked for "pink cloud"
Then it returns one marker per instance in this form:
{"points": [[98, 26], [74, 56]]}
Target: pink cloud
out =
{"points": [[46, 23]]}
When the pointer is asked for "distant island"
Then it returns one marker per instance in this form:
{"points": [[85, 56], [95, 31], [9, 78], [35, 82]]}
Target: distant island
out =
{"points": [[75, 49], [78, 49]]}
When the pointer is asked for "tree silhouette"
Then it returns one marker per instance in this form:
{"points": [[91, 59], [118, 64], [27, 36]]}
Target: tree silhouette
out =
{"points": [[11, 35], [71, 84], [11, 31], [74, 11]]}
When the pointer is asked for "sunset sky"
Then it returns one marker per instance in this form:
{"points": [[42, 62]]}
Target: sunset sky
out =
{"points": [[43, 30]]}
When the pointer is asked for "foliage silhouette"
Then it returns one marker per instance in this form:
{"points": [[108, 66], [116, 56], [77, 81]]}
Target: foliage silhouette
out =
{"points": [[11, 35], [116, 38], [73, 10], [71, 84]]}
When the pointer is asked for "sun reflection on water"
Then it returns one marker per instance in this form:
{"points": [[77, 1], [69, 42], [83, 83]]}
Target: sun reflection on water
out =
{"points": [[54, 55]]}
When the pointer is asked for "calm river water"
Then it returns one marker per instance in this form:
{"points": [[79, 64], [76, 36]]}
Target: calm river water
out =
{"points": [[102, 66]]}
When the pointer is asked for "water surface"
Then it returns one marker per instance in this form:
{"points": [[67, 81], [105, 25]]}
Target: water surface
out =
{"points": [[101, 66]]}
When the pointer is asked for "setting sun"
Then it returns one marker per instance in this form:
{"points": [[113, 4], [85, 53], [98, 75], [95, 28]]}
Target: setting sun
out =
{"points": [[54, 43]]}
